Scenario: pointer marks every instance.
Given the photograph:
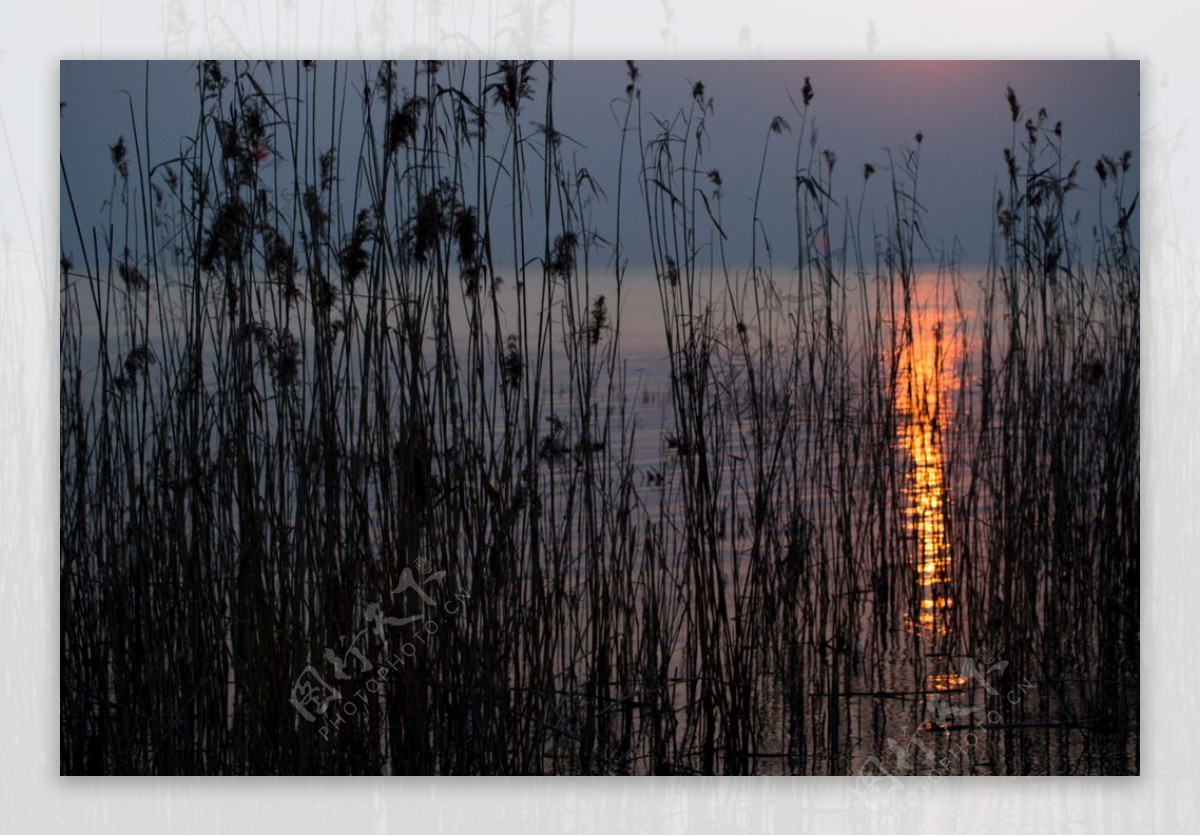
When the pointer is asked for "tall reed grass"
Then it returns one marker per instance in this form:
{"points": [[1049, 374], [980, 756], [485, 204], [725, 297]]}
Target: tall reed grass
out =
{"points": [[342, 393]]}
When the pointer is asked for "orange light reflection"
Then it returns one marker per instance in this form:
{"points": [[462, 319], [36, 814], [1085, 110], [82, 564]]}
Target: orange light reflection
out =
{"points": [[922, 391]]}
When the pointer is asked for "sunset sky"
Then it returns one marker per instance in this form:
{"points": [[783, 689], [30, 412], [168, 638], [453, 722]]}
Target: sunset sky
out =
{"points": [[861, 111]]}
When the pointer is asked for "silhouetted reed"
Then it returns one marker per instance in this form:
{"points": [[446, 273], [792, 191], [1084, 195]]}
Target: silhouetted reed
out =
{"points": [[351, 398]]}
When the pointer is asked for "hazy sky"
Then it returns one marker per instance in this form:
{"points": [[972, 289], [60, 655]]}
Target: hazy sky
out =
{"points": [[860, 110]]}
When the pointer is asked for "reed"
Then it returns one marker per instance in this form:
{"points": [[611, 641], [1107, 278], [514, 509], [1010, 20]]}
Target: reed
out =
{"points": [[345, 393]]}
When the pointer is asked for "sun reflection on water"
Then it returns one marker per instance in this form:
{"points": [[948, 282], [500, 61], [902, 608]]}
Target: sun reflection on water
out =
{"points": [[922, 393]]}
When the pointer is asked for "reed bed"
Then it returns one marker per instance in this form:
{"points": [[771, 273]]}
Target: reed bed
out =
{"points": [[345, 405]]}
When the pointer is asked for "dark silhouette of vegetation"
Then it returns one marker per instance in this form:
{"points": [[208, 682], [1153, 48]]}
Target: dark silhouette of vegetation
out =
{"points": [[318, 435]]}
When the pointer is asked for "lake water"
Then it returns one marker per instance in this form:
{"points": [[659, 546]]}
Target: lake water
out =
{"points": [[836, 520]]}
